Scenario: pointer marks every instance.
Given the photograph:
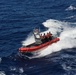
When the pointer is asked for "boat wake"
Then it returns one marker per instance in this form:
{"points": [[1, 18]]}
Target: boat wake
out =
{"points": [[63, 30]]}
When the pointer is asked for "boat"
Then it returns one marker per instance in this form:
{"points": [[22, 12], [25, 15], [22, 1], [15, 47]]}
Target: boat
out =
{"points": [[39, 44]]}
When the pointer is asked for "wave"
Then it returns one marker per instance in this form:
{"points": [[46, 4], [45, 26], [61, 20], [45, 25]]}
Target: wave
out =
{"points": [[19, 69], [71, 7], [2, 73], [71, 17], [0, 60], [64, 31]]}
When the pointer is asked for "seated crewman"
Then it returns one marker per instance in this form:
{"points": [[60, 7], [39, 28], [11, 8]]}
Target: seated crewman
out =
{"points": [[47, 36], [41, 37], [44, 38], [50, 36]]}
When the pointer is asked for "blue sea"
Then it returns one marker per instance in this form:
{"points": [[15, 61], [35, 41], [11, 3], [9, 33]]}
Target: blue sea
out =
{"points": [[17, 20]]}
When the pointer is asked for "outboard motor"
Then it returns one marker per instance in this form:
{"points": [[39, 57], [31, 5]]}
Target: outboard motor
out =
{"points": [[37, 36]]}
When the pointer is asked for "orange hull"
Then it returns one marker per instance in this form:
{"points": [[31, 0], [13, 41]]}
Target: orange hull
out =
{"points": [[35, 48]]}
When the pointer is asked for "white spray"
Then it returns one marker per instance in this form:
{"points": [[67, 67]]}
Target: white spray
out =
{"points": [[64, 31], [71, 7]]}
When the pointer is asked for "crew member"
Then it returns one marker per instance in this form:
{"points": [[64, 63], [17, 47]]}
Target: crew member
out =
{"points": [[47, 36], [50, 36], [41, 37], [44, 38]]}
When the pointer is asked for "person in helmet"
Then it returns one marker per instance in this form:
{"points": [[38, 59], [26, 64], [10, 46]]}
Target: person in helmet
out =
{"points": [[50, 36]]}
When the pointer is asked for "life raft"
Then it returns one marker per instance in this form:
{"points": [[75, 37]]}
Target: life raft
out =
{"points": [[32, 48]]}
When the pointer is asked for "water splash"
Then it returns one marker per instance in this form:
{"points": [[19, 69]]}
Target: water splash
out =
{"points": [[64, 31], [71, 7], [30, 39]]}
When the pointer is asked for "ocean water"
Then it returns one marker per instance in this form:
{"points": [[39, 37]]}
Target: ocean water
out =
{"points": [[17, 20]]}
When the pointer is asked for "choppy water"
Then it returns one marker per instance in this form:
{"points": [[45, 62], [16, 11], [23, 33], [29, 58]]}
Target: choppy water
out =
{"points": [[17, 20]]}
